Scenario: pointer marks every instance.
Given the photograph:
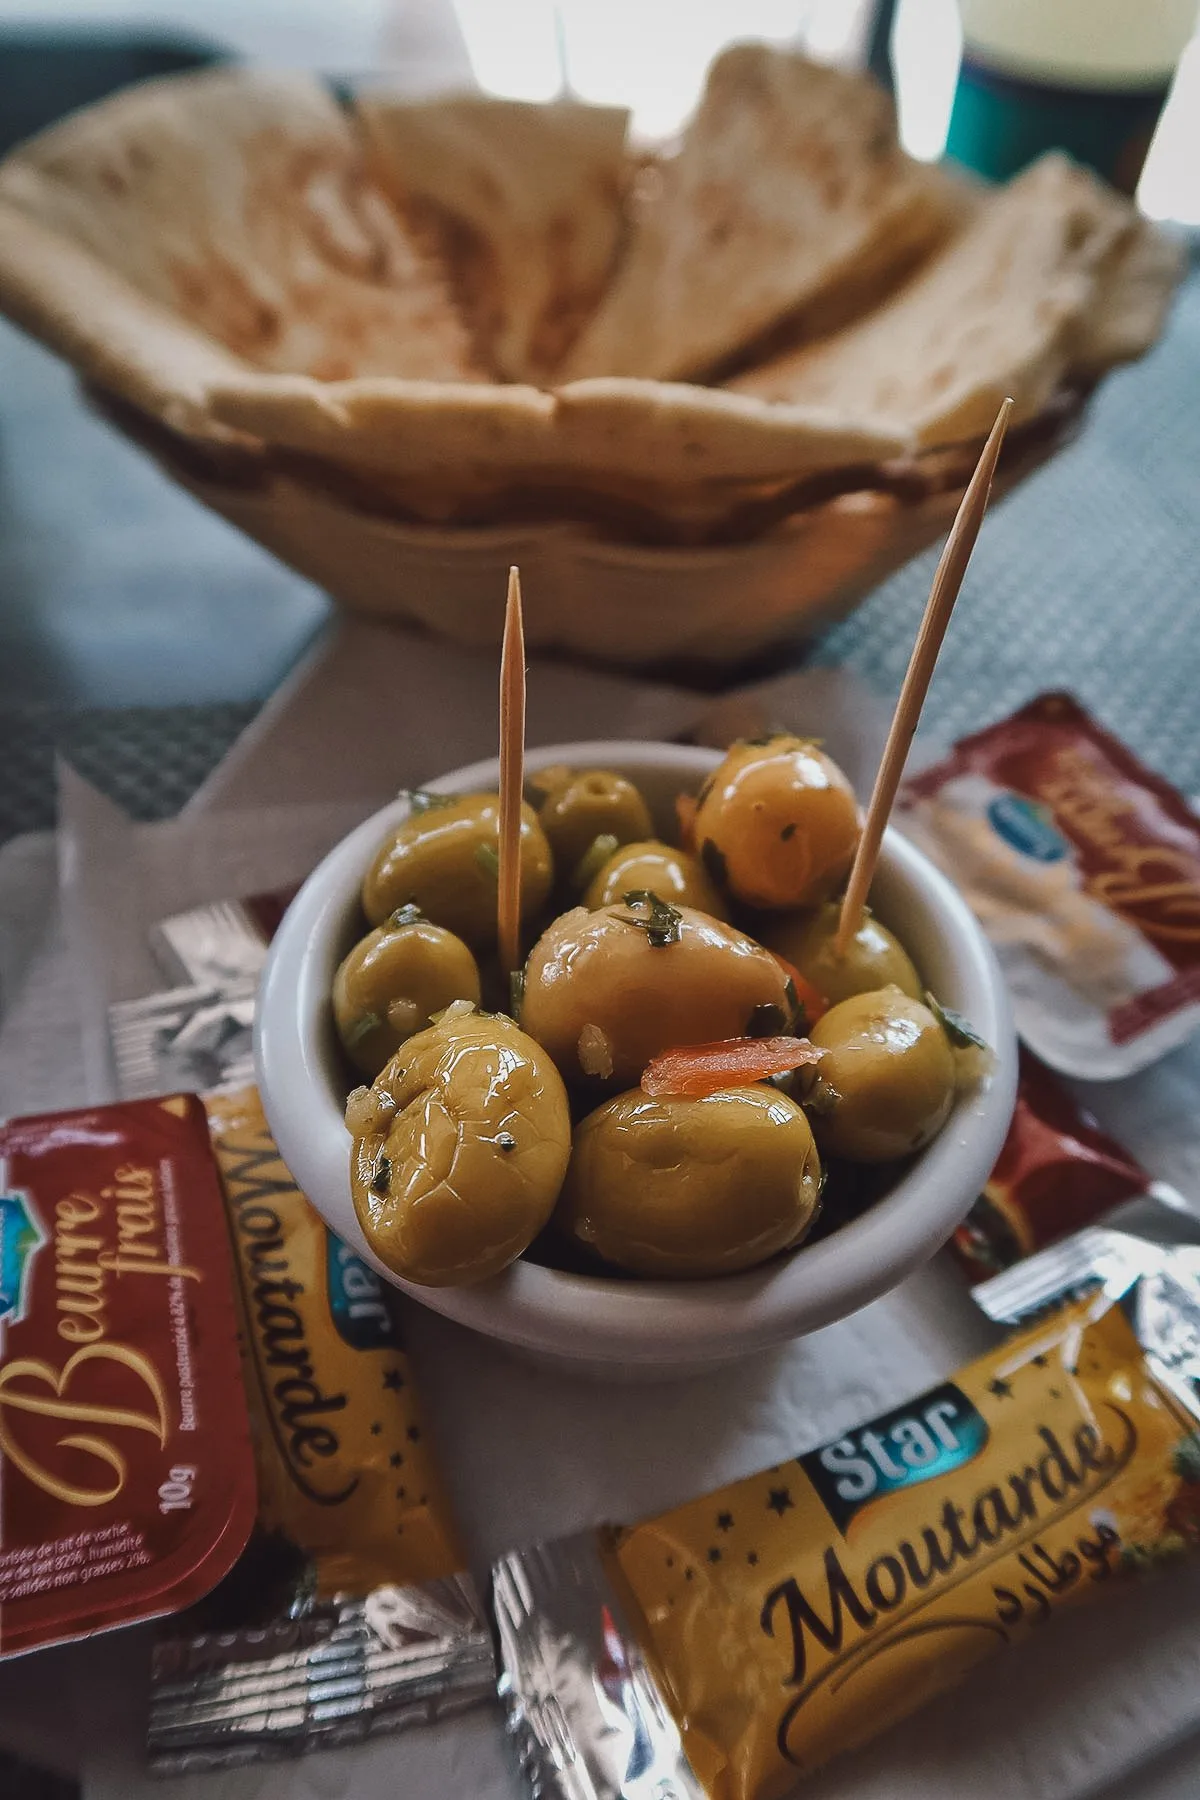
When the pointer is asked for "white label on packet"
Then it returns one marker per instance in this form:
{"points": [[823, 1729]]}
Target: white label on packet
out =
{"points": [[1071, 963]]}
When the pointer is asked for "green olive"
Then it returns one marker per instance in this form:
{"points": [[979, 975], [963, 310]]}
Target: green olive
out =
{"points": [[778, 823], [580, 805], [392, 983], [874, 958], [671, 874], [443, 859], [692, 1187], [886, 1083], [460, 1148], [606, 991]]}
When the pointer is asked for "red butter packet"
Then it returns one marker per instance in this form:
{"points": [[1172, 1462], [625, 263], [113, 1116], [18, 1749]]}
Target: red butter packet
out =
{"points": [[127, 1484], [1083, 867], [1058, 1171]]}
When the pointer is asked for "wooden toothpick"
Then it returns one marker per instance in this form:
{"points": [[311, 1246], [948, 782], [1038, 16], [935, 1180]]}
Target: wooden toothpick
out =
{"points": [[512, 777], [947, 581]]}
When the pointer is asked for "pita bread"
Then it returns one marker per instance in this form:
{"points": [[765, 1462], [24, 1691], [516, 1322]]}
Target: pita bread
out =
{"points": [[238, 200], [636, 430], [789, 178], [110, 332], [538, 192], [1131, 306], [999, 311]]}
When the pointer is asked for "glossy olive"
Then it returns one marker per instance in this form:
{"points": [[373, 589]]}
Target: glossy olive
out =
{"points": [[392, 983], [692, 1187], [671, 874], [460, 1147], [874, 957], [779, 823], [443, 859], [577, 806], [886, 1083], [604, 992]]}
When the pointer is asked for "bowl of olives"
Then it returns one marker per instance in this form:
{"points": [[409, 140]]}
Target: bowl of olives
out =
{"points": [[688, 1127]]}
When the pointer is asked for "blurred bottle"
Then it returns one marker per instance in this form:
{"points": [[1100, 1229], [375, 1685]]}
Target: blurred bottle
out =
{"points": [[1086, 76]]}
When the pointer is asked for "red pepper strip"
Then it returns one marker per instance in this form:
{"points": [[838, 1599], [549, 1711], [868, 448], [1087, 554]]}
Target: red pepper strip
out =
{"points": [[696, 1069], [810, 998], [686, 808]]}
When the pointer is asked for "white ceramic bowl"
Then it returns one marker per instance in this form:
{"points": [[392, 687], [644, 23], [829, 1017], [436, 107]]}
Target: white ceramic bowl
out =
{"points": [[614, 1326]]}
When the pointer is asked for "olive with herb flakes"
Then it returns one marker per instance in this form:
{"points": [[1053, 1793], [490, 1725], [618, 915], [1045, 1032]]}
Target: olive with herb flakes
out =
{"points": [[886, 1084], [443, 858], [777, 823], [874, 957], [673, 875], [683, 1187], [393, 982], [460, 1147], [577, 806], [607, 991]]}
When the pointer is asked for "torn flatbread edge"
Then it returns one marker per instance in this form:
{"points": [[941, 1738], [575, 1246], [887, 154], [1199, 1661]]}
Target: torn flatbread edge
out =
{"points": [[144, 354], [81, 309], [662, 432]]}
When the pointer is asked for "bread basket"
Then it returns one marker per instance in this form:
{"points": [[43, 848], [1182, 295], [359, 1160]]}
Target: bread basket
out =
{"points": [[298, 331]]}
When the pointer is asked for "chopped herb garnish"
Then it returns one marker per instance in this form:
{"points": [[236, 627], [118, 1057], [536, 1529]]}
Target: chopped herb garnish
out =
{"points": [[1186, 1459], [767, 1020], [789, 831], [406, 915], [799, 1015], [714, 862], [960, 1031], [420, 800], [516, 993], [505, 1140], [381, 1177], [358, 1028], [821, 1098], [662, 924], [593, 859], [488, 859]]}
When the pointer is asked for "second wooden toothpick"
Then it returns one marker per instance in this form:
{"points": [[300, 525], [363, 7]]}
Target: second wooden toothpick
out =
{"points": [[947, 581], [512, 777]]}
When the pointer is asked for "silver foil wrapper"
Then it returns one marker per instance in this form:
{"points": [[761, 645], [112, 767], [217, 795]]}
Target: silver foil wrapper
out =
{"points": [[1145, 1259], [186, 1040], [344, 1671], [211, 946], [584, 1712]]}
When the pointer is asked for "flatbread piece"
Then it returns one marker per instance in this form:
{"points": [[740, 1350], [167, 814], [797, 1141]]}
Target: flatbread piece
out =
{"points": [[239, 200], [538, 195], [788, 182]]}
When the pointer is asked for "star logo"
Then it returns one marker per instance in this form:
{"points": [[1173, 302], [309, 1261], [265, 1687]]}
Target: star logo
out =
{"points": [[725, 1521], [779, 1500], [393, 1380], [714, 1555], [1001, 1389]]}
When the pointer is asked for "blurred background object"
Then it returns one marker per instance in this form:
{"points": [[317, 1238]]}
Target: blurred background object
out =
{"points": [[1087, 76]]}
